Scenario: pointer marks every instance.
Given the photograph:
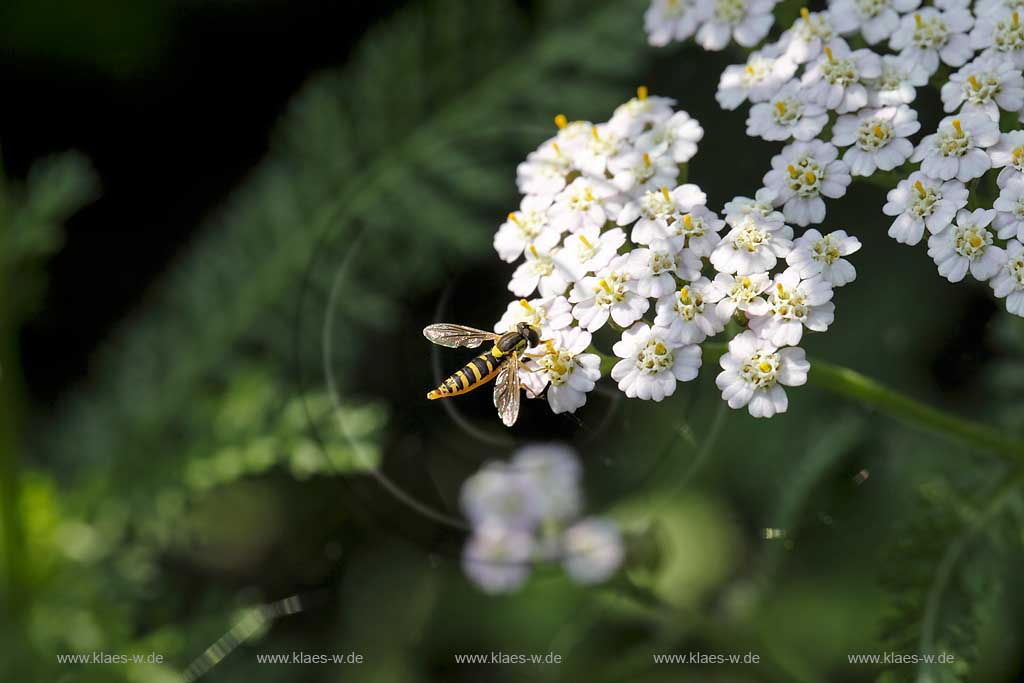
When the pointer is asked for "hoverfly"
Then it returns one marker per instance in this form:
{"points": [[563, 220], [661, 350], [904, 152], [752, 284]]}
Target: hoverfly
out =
{"points": [[503, 360]]}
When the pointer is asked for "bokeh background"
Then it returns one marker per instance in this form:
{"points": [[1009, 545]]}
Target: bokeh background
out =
{"points": [[184, 185]]}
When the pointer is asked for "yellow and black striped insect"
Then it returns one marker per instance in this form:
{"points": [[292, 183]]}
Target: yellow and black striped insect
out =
{"points": [[502, 360]]}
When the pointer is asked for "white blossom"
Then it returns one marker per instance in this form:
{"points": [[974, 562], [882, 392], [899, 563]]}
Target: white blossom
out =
{"points": [[920, 202], [898, 83], [631, 118], [878, 138], [584, 203], [786, 115], [652, 363], [815, 254], [957, 149], [758, 79], [837, 79], [808, 36], [542, 270], [801, 174], [688, 314], [754, 371], [612, 292], [562, 366], [527, 226], [737, 293], [589, 249], [929, 35], [638, 172], [762, 205], [753, 245], [745, 21], [657, 266], [673, 20], [1009, 206], [985, 85], [1008, 283], [1008, 154], [875, 19], [1000, 34], [967, 246], [677, 137], [545, 314], [792, 304]]}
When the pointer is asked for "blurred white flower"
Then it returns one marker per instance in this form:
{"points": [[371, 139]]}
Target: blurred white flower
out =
{"points": [[808, 36], [497, 558], [593, 550], [745, 21], [554, 472], [673, 20], [500, 494]]}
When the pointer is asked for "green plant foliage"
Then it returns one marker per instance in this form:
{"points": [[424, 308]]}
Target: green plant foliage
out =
{"points": [[405, 147], [946, 575], [31, 218]]}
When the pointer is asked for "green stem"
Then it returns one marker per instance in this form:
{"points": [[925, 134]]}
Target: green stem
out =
{"points": [[852, 384]]}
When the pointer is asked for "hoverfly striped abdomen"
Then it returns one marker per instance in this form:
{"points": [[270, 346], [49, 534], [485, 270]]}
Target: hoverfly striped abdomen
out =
{"points": [[479, 370]]}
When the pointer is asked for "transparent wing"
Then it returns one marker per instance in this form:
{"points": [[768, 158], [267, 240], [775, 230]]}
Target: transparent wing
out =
{"points": [[506, 391], [451, 335]]}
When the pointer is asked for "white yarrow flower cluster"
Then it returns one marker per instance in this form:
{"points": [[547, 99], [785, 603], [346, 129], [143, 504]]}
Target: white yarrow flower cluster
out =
{"points": [[527, 511], [608, 241], [810, 81]]}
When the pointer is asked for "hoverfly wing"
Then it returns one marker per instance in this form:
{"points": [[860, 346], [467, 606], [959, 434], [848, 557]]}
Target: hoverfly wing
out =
{"points": [[452, 336], [506, 391]]}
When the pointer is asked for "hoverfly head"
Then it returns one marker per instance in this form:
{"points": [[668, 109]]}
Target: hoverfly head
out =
{"points": [[529, 333]]}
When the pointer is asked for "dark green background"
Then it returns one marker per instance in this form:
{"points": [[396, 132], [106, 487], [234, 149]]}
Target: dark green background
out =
{"points": [[180, 460]]}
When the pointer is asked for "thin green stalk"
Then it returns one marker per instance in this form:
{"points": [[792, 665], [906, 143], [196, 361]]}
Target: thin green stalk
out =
{"points": [[852, 384]]}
